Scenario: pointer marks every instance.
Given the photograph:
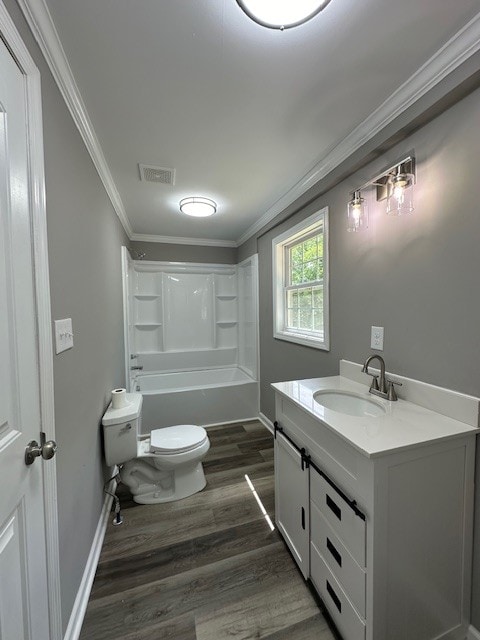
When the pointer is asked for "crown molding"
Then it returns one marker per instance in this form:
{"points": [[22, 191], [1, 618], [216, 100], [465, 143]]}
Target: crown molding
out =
{"points": [[464, 44], [43, 28], [204, 242]]}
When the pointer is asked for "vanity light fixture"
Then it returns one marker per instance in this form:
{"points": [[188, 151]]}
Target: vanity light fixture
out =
{"points": [[198, 207], [357, 213], [395, 185], [281, 14]]}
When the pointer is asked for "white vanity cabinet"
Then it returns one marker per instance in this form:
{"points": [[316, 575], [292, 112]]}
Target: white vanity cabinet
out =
{"points": [[389, 535]]}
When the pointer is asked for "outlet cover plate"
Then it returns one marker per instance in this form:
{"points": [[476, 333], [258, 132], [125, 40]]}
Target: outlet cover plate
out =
{"points": [[376, 339], [63, 335]]}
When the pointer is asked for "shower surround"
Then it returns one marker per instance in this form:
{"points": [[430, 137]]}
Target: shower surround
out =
{"points": [[191, 340]]}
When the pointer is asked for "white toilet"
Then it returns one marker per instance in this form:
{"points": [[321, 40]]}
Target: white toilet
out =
{"points": [[161, 468]]}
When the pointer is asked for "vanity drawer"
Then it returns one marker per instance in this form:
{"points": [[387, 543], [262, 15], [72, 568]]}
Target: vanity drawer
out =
{"points": [[350, 575], [343, 613], [339, 515]]}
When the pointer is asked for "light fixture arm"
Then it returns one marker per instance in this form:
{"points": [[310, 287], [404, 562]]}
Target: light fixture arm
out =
{"points": [[407, 166]]}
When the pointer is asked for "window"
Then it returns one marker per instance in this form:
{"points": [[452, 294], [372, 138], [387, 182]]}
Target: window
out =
{"points": [[300, 282]]}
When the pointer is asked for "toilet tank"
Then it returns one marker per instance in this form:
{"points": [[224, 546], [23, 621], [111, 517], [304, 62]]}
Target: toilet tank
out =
{"points": [[120, 430]]}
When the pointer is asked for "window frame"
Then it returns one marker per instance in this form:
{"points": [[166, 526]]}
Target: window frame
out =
{"points": [[280, 270]]}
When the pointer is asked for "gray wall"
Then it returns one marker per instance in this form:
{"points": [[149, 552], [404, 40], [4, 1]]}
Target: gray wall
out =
{"points": [[185, 253], [417, 275], [84, 239]]}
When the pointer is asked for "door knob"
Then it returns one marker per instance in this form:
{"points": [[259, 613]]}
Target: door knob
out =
{"points": [[49, 449], [45, 449]]}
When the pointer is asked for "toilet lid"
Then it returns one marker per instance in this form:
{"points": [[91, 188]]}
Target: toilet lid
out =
{"points": [[177, 439]]}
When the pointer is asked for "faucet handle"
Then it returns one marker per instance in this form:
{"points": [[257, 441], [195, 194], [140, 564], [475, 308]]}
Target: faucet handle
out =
{"points": [[391, 393], [374, 384]]}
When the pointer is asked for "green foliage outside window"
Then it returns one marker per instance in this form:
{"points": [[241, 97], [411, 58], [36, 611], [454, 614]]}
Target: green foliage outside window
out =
{"points": [[305, 260], [305, 267]]}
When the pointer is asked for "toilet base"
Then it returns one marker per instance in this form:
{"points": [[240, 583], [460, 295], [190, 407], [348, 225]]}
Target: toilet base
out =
{"points": [[170, 485]]}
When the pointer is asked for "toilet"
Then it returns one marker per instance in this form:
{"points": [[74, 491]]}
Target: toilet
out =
{"points": [[163, 467]]}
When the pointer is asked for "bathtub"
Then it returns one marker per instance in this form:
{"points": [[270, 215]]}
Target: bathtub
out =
{"points": [[205, 397]]}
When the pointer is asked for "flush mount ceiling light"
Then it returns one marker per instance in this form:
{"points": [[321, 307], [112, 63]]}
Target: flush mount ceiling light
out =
{"points": [[198, 207], [282, 14]]}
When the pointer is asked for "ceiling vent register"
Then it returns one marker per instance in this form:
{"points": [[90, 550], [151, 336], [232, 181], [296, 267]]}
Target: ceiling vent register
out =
{"points": [[161, 175]]}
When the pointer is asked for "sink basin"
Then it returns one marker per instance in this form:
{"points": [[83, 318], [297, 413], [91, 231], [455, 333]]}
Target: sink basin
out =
{"points": [[349, 403]]}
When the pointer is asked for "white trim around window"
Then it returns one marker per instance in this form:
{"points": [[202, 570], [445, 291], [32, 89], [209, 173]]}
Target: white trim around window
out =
{"points": [[311, 226]]}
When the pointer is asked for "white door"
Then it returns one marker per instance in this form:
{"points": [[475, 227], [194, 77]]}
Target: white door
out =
{"points": [[292, 498], [23, 580]]}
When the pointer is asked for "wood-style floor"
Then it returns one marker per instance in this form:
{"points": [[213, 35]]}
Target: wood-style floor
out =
{"points": [[207, 567]]}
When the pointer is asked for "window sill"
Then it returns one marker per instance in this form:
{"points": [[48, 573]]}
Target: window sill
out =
{"points": [[306, 341]]}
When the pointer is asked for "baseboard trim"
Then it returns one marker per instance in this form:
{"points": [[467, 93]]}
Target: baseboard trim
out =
{"points": [[473, 634], [266, 422], [81, 601]]}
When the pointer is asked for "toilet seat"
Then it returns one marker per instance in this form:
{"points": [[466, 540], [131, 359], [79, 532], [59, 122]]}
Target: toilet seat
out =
{"points": [[177, 439]]}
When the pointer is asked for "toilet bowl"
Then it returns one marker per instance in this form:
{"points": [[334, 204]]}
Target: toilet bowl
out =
{"points": [[162, 467]]}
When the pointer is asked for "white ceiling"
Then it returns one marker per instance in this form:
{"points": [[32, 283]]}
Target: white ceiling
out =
{"points": [[241, 112]]}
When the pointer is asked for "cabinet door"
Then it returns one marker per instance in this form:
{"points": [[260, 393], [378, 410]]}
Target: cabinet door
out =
{"points": [[292, 501]]}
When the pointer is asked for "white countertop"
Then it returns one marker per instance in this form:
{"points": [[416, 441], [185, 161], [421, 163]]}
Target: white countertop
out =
{"points": [[404, 424]]}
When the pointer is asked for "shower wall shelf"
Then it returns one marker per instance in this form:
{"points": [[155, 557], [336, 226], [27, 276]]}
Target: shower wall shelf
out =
{"points": [[146, 296], [148, 324]]}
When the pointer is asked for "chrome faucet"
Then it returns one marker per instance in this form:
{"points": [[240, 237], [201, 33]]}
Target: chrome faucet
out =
{"points": [[385, 388]]}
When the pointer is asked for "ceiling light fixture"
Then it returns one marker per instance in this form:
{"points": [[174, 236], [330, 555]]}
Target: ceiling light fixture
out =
{"points": [[281, 14], [198, 207]]}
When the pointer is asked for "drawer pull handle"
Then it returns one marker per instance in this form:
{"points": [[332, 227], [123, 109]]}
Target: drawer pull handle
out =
{"points": [[334, 552], [303, 518], [334, 507], [334, 597]]}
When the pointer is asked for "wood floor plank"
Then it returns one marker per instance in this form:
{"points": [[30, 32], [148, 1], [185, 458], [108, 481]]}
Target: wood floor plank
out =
{"points": [[254, 446], [260, 614], [225, 430], [267, 454], [242, 435], [234, 476], [221, 582], [314, 628], [255, 427], [224, 451], [138, 568], [181, 628], [236, 461]]}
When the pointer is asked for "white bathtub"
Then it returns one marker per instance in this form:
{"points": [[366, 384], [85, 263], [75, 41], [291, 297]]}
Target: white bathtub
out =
{"points": [[206, 397]]}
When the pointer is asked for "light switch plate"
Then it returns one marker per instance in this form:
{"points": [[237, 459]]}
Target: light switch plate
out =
{"points": [[63, 335], [376, 340]]}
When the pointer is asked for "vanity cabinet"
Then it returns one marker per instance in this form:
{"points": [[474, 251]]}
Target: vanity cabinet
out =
{"points": [[387, 542]]}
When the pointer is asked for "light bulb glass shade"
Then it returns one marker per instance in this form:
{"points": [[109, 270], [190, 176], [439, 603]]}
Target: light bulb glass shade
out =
{"points": [[400, 194], [281, 14], [198, 207], [357, 213]]}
